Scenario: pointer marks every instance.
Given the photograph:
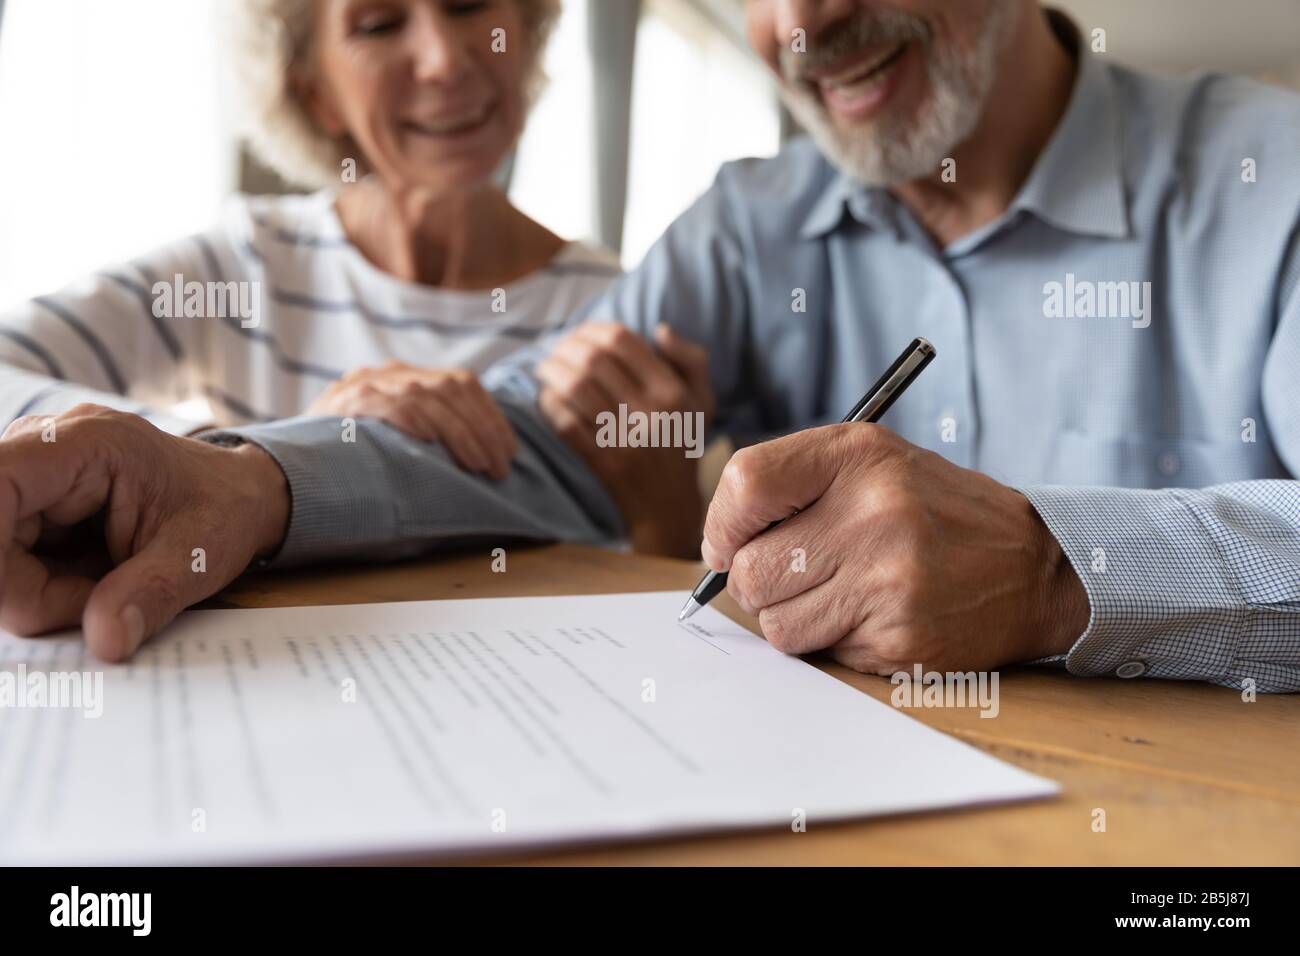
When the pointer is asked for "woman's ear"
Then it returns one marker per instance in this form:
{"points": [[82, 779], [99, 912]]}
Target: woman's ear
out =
{"points": [[317, 99]]}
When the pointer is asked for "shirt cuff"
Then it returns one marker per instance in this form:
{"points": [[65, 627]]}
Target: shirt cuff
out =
{"points": [[336, 488], [1162, 603]]}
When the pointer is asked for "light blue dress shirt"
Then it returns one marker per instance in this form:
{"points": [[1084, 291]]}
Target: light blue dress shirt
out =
{"points": [[1122, 345], [1191, 187]]}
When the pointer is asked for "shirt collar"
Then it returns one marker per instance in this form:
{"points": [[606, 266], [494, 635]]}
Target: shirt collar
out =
{"points": [[869, 206], [1077, 184], [828, 211]]}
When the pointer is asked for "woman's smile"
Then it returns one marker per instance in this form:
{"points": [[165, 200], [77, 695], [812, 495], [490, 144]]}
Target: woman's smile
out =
{"points": [[451, 123]]}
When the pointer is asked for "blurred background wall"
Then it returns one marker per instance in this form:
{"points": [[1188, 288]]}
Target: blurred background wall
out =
{"points": [[117, 130]]}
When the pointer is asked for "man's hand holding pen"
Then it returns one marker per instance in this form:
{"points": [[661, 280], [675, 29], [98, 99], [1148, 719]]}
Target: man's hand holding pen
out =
{"points": [[895, 556]]}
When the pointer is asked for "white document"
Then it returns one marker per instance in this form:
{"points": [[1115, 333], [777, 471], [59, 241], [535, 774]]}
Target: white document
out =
{"points": [[450, 727]]}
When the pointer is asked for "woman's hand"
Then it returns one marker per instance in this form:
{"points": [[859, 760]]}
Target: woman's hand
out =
{"points": [[444, 405], [597, 368]]}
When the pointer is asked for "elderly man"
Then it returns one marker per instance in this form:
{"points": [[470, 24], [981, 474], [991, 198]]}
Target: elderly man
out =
{"points": [[1099, 469]]}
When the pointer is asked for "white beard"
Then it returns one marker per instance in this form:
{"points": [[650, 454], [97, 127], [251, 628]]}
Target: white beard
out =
{"points": [[900, 147]]}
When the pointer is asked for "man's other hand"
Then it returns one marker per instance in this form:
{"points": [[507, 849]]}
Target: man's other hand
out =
{"points": [[108, 523]]}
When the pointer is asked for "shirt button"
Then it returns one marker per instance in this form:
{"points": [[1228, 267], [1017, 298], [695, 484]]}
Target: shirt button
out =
{"points": [[1131, 669], [1168, 464]]}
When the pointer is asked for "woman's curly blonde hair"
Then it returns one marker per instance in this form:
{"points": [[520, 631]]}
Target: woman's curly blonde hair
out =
{"points": [[271, 39]]}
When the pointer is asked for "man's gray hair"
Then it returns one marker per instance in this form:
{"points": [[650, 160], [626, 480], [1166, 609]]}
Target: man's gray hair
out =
{"points": [[271, 39]]}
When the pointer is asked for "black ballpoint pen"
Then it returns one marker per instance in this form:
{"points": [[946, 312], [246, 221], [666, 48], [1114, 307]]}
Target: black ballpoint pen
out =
{"points": [[874, 404]]}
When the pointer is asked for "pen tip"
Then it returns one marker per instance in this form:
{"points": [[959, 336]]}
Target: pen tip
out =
{"points": [[690, 608]]}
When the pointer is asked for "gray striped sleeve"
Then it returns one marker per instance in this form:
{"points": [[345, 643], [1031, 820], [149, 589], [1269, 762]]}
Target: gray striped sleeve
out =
{"points": [[98, 347], [100, 342]]}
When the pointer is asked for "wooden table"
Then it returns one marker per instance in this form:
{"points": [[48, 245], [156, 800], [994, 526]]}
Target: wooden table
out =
{"points": [[1186, 773]]}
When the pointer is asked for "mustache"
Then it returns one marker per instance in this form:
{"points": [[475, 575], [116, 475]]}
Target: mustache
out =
{"points": [[861, 31]]}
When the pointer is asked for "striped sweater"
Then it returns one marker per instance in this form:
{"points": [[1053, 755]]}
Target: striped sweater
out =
{"points": [[259, 315]]}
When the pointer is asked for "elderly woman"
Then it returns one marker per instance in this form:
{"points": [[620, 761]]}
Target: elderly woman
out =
{"points": [[410, 254]]}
